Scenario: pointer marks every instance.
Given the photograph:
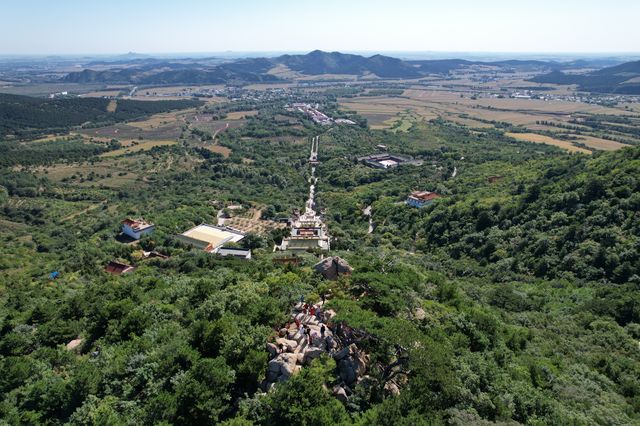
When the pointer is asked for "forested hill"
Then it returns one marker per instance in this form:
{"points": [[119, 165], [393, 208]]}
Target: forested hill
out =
{"points": [[26, 116], [314, 63], [577, 220], [512, 299], [621, 79]]}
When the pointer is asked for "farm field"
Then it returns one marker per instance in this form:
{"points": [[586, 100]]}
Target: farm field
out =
{"points": [[534, 137], [238, 115], [531, 115]]}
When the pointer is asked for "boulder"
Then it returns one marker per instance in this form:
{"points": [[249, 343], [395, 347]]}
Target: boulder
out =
{"points": [[391, 389], [419, 314], [342, 353], [328, 315], [272, 376], [273, 350], [347, 371], [287, 369], [311, 354], [333, 267], [360, 362], [74, 344], [274, 365], [289, 345], [340, 394]]}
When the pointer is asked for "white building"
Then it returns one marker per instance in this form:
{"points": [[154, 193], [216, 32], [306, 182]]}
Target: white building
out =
{"points": [[136, 228], [210, 238]]}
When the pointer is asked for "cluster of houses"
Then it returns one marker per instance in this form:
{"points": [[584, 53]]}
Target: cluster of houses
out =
{"points": [[316, 115], [308, 232]]}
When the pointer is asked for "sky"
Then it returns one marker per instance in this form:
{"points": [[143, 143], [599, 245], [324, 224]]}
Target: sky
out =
{"points": [[162, 26]]}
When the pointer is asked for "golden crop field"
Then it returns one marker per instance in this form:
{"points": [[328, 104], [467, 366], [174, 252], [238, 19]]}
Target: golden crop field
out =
{"points": [[462, 107], [534, 137], [238, 115], [161, 119]]}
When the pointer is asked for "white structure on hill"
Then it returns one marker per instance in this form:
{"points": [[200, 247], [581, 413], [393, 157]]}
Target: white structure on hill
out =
{"points": [[136, 228], [210, 238]]}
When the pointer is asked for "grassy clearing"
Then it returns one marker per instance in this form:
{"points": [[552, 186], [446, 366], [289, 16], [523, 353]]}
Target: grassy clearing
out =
{"points": [[138, 147]]}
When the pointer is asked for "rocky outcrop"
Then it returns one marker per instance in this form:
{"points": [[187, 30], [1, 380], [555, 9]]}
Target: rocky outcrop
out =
{"points": [[293, 349], [333, 267], [352, 363]]}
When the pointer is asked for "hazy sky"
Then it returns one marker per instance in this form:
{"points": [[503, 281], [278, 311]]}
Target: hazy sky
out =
{"points": [[154, 26]]}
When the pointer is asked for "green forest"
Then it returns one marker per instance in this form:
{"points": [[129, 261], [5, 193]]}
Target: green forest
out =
{"points": [[511, 299], [24, 116]]}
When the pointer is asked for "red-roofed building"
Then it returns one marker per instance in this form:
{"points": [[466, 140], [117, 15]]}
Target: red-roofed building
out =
{"points": [[117, 268], [420, 199]]}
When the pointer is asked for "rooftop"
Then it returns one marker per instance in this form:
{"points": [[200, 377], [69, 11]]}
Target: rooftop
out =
{"points": [[424, 195], [117, 268], [210, 237], [137, 224]]}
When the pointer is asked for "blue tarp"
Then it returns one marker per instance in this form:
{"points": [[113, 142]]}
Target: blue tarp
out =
{"points": [[54, 275]]}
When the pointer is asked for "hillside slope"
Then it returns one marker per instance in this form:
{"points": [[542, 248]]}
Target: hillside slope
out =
{"points": [[24, 115], [622, 79]]}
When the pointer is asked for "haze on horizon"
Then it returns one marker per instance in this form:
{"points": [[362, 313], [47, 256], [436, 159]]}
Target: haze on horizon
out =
{"points": [[118, 26]]}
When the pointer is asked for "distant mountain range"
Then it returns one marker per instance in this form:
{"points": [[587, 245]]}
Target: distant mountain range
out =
{"points": [[621, 79], [252, 70]]}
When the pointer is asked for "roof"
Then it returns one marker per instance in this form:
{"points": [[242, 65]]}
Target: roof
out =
{"points": [[203, 236], [117, 268], [424, 195], [137, 224], [228, 251]]}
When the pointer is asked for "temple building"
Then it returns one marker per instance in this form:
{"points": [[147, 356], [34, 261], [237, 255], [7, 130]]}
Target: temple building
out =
{"points": [[307, 232]]}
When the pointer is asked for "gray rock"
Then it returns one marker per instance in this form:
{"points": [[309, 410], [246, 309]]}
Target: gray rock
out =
{"points": [[289, 345], [311, 354], [391, 388], [328, 315], [342, 353], [274, 364], [272, 376], [340, 394], [333, 267], [273, 350], [347, 371], [419, 314]]}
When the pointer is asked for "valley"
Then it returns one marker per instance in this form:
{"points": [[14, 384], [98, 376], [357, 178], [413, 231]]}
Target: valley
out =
{"points": [[459, 241]]}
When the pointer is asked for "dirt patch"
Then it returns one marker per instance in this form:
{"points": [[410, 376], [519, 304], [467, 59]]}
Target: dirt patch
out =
{"points": [[112, 106]]}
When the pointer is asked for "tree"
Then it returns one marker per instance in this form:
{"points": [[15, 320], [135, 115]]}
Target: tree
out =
{"points": [[203, 394]]}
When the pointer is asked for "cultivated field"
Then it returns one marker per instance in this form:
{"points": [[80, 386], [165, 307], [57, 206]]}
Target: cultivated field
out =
{"points": [[534, 137], [461, 105]]}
